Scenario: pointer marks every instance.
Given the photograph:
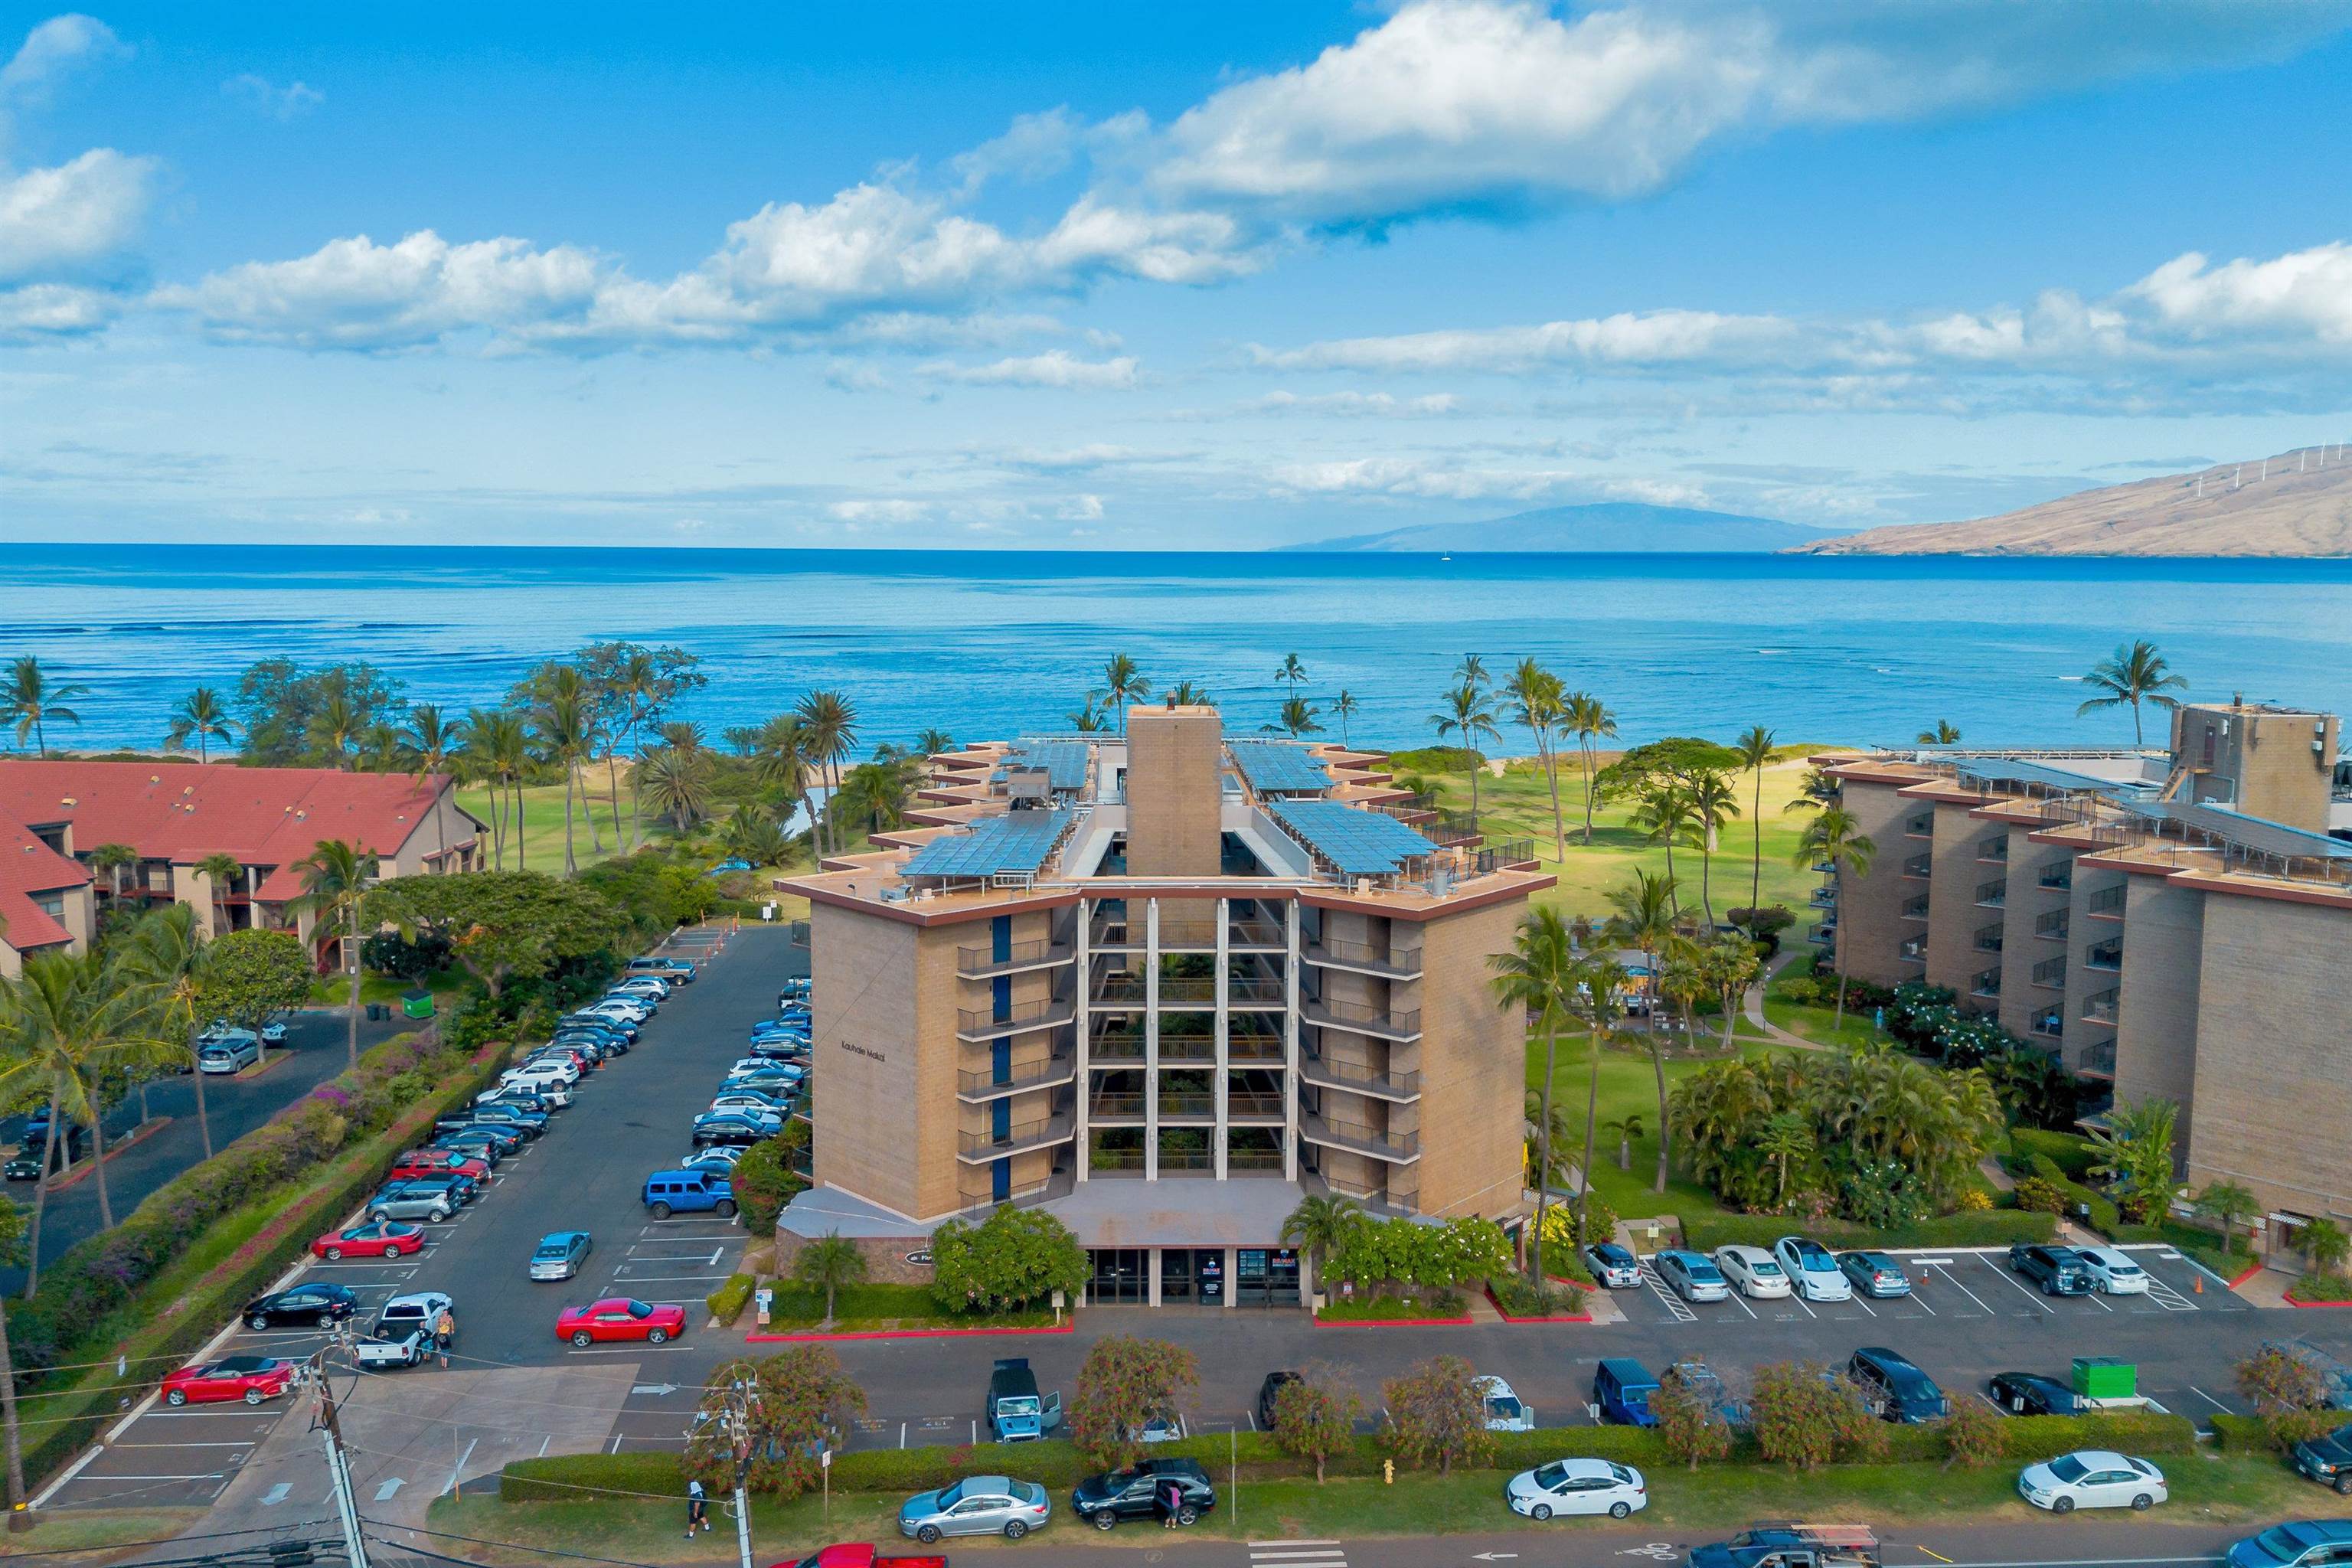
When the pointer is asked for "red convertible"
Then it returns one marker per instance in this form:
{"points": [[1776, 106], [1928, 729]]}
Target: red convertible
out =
{"points": [[439, 1163], [252, 1378], [377, 1239], [620, 1318]]}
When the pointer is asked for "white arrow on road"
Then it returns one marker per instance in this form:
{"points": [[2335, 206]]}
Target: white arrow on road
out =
{"points": [[276, 1495], [1492, 1556], [652, 1388], [384, 1493]]}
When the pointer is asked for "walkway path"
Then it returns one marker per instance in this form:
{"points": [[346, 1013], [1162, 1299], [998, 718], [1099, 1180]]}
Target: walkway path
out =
{"points": [[1753, 1005]]}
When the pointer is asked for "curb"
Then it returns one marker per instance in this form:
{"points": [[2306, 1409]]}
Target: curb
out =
{"points": [[757, 1337], [1495, 1303], [1464, 1322], [2314, 1306], [80, 1172], [2240, 1279]]}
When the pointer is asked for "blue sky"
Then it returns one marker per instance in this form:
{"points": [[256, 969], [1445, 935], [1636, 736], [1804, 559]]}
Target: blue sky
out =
{"points": [[1111, 278]]}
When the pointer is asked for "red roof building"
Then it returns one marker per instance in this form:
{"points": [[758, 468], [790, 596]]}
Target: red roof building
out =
{"points": [[45, 898]]}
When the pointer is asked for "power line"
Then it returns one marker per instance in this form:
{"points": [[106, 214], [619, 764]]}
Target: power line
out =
{"points": [[171, 1540], [477, 1540]]}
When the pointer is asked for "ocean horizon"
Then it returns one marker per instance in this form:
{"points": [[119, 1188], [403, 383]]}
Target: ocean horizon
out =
{"points": [[1847, 649]]}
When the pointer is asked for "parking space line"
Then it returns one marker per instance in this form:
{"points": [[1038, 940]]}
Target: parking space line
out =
{"points": [[2005, 1275], [1944, 1270], [1798, 1298], [1673, 1303], [1744, 1307]]}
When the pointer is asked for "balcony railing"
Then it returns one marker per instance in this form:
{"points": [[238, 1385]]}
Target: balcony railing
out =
{"points": [[1253, 1158], [1188, 1049], [2050, 1026], [1987, 983], [1106, 1104], [2051, 973], [1988, 938], [1254, 992], [1121, 1046], [1115, 931], [2103, 1007], [2108, 954], [1992, 895], [1039, 954], [1116, 990], [2052, 926], [1056, 1068], [1823, 897], [1394, 961], [1921, 826], [2099, 1060], [800, 934], [1187, 1159], [1364, 1020], [1254, 1049], [984, 1023], [1823, 934], [1257, 933], [1913, 951], [1253, 1102], [1188, 991], [1919, 866], [2058, 876], [1994, 851], [1187, 1103], [1915, 909], [1379, 1143], [1355, 1080], [990, 1145], [2107, 903]]}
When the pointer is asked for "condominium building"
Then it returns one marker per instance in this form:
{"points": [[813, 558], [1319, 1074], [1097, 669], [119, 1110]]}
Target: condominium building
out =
{"points": [[1162, 984], [2175, 924]]}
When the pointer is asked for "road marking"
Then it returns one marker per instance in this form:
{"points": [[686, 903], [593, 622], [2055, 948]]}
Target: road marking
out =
{"points": [[384, 1493], [1672, 1302], [1937, 1555], [242, 1442], [1798, 1298], [276, 1494], [1260, 1555], [663, 1278], [1953, 1279], [2208, 1399], [543, 1442], [1736, 1298], [2031, 1296], [212, 1476], [1255, 1545], [2170, 1299]]}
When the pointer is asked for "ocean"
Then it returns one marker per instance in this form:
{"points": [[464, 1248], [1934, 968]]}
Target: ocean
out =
{"points": [[1848, 648]]}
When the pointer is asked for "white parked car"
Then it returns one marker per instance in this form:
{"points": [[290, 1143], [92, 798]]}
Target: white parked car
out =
{"points": [[1577, 1486], [2113, 1271], [539, 1075], [1753, 1271], [1814, 1272], [652, 985], [750, 1105], [2092, 1478], [1504, 1412], [635, 1009]]}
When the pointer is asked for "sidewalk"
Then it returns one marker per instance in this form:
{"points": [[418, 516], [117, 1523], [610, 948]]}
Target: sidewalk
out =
{"points": [[1752, 1007]]}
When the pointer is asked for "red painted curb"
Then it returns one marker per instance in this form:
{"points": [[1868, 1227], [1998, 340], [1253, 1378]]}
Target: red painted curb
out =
{"points": [[2314, 1306], [1495, 1301], [1321, 1322], [80, 1172], [757, 1337], [2249, 1274]]}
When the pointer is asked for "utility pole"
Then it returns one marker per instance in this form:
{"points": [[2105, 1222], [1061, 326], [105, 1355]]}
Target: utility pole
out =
{"points": [[330, 1431], [739, 1415]]}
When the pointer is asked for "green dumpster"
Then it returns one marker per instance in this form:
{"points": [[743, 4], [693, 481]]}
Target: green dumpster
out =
{"points": [[2104, 1377], [417, 1003]]}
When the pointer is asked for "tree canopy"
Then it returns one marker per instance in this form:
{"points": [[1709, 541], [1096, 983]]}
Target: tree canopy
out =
{"points": [[501, 926], [248, 977], [1013, 1259]]}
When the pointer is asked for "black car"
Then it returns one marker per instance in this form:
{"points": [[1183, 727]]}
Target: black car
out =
{"points": [[2031, 1394], [26, 1166], [1267, 1391], [2059, 1270], [305, 1306], [725, 1127], [1104, 1500], [2327, 1459], [611, 1045], [1894, 1390], [778, 1050], [477, 1135]]}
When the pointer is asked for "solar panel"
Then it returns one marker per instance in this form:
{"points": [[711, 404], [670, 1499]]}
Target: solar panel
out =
{"points": [[1017, 843], [1279, 767], [2003, 770], [2250, 833], [1359, 843], [1066, 762]]}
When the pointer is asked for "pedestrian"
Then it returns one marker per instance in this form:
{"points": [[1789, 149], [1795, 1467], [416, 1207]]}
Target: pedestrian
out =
{"points": [[1172, 1500], [698, 1507], [444, 1330]]}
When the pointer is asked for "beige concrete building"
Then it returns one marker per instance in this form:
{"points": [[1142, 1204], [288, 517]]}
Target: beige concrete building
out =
{"points": [[2175, 924], [1163, 984]]}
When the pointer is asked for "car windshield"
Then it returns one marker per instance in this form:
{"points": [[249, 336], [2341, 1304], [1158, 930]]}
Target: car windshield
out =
{"points": [[953, 1495], [2068, 1469], [1018, 1404], [1766, 1269], [2280, 1543], [1551, 1474], [1502, 1406]]}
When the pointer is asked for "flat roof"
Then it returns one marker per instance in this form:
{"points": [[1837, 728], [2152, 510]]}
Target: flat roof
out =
{"points": [[2274, 840], [2017, 770], [1279, 767], [1066, 762], [1017, 843], [1359, 843]]}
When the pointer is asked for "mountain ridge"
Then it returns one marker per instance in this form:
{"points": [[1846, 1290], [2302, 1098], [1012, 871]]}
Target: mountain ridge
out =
{"points": [[1598, 528]]}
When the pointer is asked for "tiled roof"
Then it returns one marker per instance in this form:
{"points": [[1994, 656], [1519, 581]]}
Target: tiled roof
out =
{"points": [[28, 866], [183, 812]]}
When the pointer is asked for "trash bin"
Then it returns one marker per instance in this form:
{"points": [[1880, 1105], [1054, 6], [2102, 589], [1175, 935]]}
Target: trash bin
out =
{"points": [[375, 1011], [417, 1003]]}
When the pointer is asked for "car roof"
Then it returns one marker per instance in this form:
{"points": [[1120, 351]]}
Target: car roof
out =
{"points": [[1747, 1254], [420, 1298], [1496, 1388], [236, 1363], [1577, 1465], [1893, 1361], [2110, 1255], [2099, 1458], [1800, 1245]]}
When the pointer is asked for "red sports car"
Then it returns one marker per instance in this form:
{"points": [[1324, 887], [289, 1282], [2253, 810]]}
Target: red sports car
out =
{"points": [[252, 1378], [439, 1163], [620, 1318], [377, 1239]]}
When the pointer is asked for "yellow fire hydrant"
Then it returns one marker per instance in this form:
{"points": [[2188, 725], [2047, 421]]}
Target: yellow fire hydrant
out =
{"points": [[1387, 1472]]}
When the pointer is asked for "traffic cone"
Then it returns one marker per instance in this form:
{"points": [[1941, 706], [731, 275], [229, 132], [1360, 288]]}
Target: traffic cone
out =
{"points": [[2198, 1285]]}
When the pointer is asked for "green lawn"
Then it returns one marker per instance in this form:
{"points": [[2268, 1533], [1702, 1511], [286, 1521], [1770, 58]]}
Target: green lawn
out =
{"points": [[1627, 1085], [861, 1308], [543, 824], [1519, 804], [87, 1530]]}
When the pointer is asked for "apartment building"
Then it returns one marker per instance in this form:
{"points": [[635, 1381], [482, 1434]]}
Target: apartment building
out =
{"points": [[176, 816], [2173, 924], [45, 898], [1162, 985]]}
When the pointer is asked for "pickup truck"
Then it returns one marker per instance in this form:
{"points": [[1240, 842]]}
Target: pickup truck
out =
{"points": [[1792, 1546], [860, 1554], [393, 1346]]}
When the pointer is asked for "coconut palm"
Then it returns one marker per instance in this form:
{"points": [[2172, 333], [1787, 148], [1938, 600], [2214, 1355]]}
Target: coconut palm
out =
{"points": [[1319, 1223], [498, 742], [751, 834], [1627, 1126], [1343, 708], [337, 726], [336, 876], [1122, 684], [827, 1264], [1471, 715], [29, 702], [428, 742], [683, 733], [201, 717], [1291, 671], [68, 1023], [1538, 702], [1713, 802], [565, 720], [1835, 836], [1298, 718], [829, 722], [677, 784], [1090, 720], [1943, 734], [1472, 671], [1537, 975], [1589, 718], [2134, 674], [113, 859], [1756, 748], [1644, 920], [933, 742], [165, 954], [1787, 1136], [220, 872], [1664, 814], [879, 792]]}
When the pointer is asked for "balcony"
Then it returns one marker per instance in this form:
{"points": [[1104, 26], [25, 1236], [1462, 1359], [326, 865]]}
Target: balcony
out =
{"points": [[975, 1088], [982, 1023], [1251, 991], [1994, 851], [1390, 963], [2052, 926], [1350, 1078], [1988, 938], [1913, 951], [2049, 1024], [982, 962], [1116, 931], [1992, 895], [1397, 1148], [1254, 1105], [2057, 876], [1239, 1160], [980, 1148], [1357, 1018], [1188, 1105], [1823, 897], [1120, 1045], [2103, 1007], [1915, 909], [1114, 1107], [1255, 1050], [2107, 903], [1187, 991], [1257, 934], [1188, 936], [2108, 954], [2051, 973], [1825, 934], [1917, 866], [1919, 825], [2099, 1061], [800, 935], [1120, 989], [1824, 865], [1187, 1049], [1986, 985]]}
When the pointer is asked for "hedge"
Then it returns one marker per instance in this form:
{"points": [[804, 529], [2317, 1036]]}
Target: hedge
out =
{"points": [[2244, 1434], [1977, 1228], [727, 1303], [2072, 1154], [1056, 1464], [184, 1325]]}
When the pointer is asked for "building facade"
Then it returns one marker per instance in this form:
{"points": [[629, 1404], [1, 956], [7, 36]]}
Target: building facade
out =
{"points": [[2174, 925], [1163, 984]]}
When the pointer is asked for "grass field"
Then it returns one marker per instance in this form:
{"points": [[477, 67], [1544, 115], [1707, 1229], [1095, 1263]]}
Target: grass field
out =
{"points": [[1629, 1086], [543, 824]]}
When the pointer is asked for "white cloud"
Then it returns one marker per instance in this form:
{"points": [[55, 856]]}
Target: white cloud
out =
{"points": [[66, 221], [2305, 294], [1054, 368], [51, 52], [1686, 337], [54, 309], [289, 102], [879, 510]]}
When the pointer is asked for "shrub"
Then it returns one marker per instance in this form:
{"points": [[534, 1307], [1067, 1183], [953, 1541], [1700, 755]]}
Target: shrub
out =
{"points": [[1313, 1421], [1520, 1298], [1013, 1257], [2317, 1286], [1125, 1383], [793, 1403], [1436, 1416], [2037, 1196], [1801, 992], [764, 1183], [1689, 1425], [1973, 1436], [1804, 1415], [2276, 1382], [727, 1303], [2071, 1154]]}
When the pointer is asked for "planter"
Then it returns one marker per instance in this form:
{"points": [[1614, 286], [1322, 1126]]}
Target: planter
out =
{"points": [[1323, 1323], [809, 1336], [1548, 1318]]}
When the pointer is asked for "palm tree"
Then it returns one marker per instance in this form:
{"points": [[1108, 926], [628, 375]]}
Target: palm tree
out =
{"points": [[220, 872], [1835, 836], [1539, 704], [498, 742], [1472, 671], [1298, 718], [1292, 671], [1537, 975], [69, 1020], [429, 741], [677, 784], [1343, 708], [1122, 684], [566, 722], [1190, 694], [752, 835], [335, 879], [12, 1252], [1665, 816], [337, 726], [165, 955], [29, 702], [683, 733], [780, 761], [879, 792], [933, 741], [1587, 717], [201, 717], [1713, 802], [1627, 1126], [1090, 720], [1787, 1136], [827, 1264], [1755, 747], [829, 721], [2135, 673], [1646, 920], [1319, 1223], [1943, 734], [1469, 714], [113, 859]]}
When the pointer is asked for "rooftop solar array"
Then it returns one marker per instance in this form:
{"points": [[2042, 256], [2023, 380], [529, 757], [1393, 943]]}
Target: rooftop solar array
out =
{"points": [[1279, 767], [1066, 762], [2249, 833], [1015, 843], [1359, 843], [2003, 770]]}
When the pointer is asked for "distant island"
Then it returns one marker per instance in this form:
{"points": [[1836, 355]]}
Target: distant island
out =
{"points": [[1601, 528], [2299, 503]]}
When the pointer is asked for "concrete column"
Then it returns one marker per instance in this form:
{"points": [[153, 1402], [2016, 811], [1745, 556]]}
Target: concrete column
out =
{"points": [[1151, 1039], [1224, 969], [1290, 1042], [1151, 1275], [1085, 1079], [1231, 1282]]}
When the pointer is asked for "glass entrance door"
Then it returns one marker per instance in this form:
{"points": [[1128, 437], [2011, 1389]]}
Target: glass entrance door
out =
{"points": [[1120, 1276]]}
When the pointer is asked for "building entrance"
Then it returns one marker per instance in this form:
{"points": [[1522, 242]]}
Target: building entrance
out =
{"points": [[1122, 1277], [1193, 1274], [1266, 1277]]}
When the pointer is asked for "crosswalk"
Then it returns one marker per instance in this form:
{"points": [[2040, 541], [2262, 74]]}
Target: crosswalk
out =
{"points": [[1296, 1554]]}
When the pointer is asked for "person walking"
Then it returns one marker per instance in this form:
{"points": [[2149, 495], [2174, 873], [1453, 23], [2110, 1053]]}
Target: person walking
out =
{"points": [[444, 1331], [698, 1507], [1171, 1499]]}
